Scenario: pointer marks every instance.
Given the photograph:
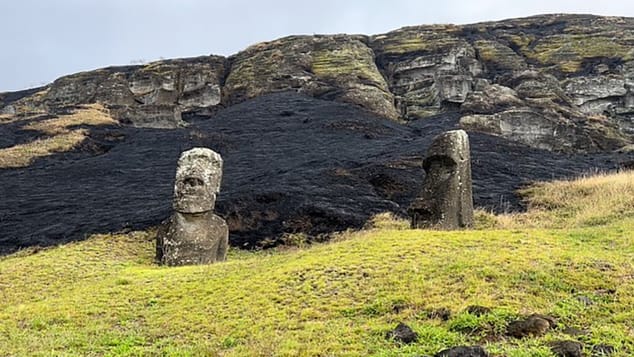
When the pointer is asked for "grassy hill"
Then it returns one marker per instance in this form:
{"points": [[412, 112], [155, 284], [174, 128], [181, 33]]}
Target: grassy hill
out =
{"points": [[570, 256]]}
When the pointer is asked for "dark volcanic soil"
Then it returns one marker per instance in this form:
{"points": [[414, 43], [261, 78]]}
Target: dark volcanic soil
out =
{"points": [[292, 164]]}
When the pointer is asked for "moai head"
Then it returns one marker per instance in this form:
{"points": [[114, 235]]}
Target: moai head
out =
{"points": [[447, 151], [198, 179]]}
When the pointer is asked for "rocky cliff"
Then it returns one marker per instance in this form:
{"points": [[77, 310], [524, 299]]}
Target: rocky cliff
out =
{"points": [[559, 82], [318, 133]]}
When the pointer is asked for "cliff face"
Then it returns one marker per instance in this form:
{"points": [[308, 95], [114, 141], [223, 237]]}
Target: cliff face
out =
{"points": [[557, 82]]}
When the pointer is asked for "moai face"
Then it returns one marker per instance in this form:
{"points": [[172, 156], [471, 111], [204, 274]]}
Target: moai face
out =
{"points": [[198, 179]]}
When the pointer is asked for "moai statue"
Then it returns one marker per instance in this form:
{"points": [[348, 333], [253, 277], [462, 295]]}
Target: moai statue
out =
{"points": [[194, 234], [445, 201]]}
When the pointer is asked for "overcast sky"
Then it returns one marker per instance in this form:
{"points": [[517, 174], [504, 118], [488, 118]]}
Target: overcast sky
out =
{"points": [[45, 39]]}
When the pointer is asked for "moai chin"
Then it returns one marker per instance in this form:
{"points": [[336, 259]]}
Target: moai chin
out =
{"points": [[194, 234], [446, 200]]}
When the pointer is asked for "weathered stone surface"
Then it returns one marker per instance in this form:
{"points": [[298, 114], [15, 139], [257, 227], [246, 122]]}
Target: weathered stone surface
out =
{"points": [[463, 351], [403, 333], [498, 58], [538, 112], [163, 116], [197, 181], [337, 67], [194, 234], [151, 95], [487, 99], [531, 84], [445, 200], [534, 325], [567, 348], [524, 125], [190, 239], [426, 67], [588, 89]]}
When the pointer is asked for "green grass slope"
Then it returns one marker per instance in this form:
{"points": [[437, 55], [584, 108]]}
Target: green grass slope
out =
{"points": [[105, 296]]}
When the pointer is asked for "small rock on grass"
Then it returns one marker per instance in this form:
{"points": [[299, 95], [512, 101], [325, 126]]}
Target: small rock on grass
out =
{"points": [[567, 348], [463, 351], [442, 313], [534, 325], [403, 333]]}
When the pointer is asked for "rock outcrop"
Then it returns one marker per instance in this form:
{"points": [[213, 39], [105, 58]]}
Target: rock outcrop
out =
{"points": [[559, 82], [152, 95], [339, 67]]}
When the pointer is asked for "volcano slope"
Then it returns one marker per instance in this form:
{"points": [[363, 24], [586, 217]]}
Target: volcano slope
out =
{"points": [[293, 164]]}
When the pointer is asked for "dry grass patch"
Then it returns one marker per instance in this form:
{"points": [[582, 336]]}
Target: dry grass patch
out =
{"points": [[61, 137], [92, 114], [6, 118], [24, 154], [580, 202]]}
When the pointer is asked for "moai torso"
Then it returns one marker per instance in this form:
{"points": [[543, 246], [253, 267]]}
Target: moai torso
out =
{"points": [[445, 200], [194, 234]]}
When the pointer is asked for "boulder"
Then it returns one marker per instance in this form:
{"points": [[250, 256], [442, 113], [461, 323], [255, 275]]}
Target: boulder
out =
{"points": [[445, 200], [587, 89], [488, 99]]}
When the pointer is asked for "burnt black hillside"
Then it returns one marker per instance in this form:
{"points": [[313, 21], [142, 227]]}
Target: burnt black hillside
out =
{"points": [[292, 164]]}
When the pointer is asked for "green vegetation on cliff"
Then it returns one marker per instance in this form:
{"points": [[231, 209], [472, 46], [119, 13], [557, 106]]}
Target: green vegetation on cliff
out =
{"points": [[104, 296]]}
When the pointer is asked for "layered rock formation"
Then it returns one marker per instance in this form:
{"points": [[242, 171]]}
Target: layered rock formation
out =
{"points": [[152, 95], [558, 82]]}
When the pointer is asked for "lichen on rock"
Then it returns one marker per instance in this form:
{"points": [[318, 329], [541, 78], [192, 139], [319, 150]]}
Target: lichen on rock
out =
{"points": [[338, 67]]}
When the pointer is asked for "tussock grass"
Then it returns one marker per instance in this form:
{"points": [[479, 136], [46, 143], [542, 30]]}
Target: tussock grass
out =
{"points": [[387, 220], [105, 296], [61, 136], [90, 114], [23, 155], [585, 201]]}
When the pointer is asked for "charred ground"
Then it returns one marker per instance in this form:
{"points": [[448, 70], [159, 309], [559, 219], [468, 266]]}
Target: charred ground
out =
{"points": [[293, 164]]}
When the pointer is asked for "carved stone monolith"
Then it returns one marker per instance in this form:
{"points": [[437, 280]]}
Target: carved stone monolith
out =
{"points": [[445, 201], [194, 234]]}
